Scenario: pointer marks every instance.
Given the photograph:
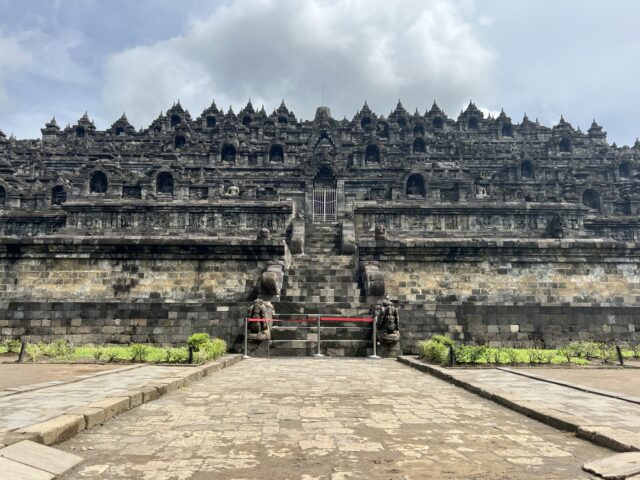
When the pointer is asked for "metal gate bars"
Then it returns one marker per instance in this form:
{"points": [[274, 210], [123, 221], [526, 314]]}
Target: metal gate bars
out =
{"points": [[324, 205]]}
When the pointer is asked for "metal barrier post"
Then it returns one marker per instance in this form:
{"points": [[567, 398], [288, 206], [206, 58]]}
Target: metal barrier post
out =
{"points": [[375, 340], [246, 339], [319, 354]]}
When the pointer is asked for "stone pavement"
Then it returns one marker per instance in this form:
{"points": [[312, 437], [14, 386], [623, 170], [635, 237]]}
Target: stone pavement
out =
{"points": [[19, 409], [326, 419]]}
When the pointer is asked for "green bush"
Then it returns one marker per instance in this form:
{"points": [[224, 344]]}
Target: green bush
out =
{"points": [[97, 352], [636, 351], [60, 349], [512, 355], [198, 341], [446, 341], [12, 346], [434, 351], [211, 350], [471, 354], [139, 352], [495, 355], [35, 351], [176, 355]]}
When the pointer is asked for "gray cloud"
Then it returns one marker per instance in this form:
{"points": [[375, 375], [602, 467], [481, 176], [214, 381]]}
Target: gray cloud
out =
{"points": [[273, 49]]}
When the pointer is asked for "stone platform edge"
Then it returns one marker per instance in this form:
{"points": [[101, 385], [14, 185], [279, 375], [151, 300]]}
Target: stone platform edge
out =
{"points": [[72, 422], [618, 440]]}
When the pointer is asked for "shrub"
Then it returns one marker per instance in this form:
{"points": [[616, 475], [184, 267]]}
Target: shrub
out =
{"points": [[111, 354], [495, 355], [512, 355], [97, 352], [446, 341], [176, 355], [198, 340], [570, 351], [139, 352], [588, 350], [211, 350], [608, 353], [471, 354], [434, 351], [35, 351], [12, 346], [61, 348], [636, 350]]}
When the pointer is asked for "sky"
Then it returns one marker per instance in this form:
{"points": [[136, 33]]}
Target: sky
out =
{"points": [[546, 58]]}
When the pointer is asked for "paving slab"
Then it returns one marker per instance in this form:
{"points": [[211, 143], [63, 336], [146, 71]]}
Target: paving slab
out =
{"points": [[24, 375], [10, 470], [41, 457], [615, 467], [609, 421], [324, 419]]}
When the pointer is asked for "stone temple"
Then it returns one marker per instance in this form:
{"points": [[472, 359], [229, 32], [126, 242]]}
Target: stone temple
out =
{"points": [[489, 230]]}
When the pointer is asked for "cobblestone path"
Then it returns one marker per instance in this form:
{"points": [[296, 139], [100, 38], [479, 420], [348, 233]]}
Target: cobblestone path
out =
{"points": [[330, 419], [17, 410]]}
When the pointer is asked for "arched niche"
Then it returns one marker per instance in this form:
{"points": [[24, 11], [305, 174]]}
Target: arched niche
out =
{"points": [[507, 130], [3, 196], [164, 183], [591, 199], [365, 122], [527, 170], [80, 132], [372, 154], [438, 123], [472, 123], [180, 141], [401, 121], [416, 186], [228, 153], [382, 129], [419, 145], [276, 154], [58, 195], [98, 183], [246, 120], [119, 131], [565, 145], [418, 128], [211, 121], [324, 178], [282, 120], [175, 120], [624, 170]]}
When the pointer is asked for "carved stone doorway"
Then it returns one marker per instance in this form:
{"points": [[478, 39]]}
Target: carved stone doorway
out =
{"points": [[325, 198]]}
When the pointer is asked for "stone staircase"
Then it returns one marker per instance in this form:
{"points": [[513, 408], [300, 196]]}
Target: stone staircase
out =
{"points": [[321, 282]]}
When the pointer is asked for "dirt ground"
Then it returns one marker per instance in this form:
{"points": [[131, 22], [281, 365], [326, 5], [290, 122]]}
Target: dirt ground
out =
{"points": [[625, 381], [18, 375]]}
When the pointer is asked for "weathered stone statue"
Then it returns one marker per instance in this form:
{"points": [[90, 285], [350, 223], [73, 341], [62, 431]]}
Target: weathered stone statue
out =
{"points": [[556, 227], [380, 232], [264, 234], [387, 323], [232, 192], [259, 331]]}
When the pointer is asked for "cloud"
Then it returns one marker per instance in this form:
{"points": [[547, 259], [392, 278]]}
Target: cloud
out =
{"points": [[274, 49]]}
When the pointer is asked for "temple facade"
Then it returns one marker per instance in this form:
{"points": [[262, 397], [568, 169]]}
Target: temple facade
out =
{"points": [[486, 229]]}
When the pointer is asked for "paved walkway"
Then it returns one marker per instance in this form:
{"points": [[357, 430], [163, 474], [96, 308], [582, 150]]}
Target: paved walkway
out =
{"points": [[18, 410], [329, 419], [597, 410]]}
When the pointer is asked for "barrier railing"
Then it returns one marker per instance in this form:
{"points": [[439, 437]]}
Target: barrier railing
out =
{"points": [[310, 318]]}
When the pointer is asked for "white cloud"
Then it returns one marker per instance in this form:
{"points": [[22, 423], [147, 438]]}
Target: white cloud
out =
{"points": [[270, 49]]}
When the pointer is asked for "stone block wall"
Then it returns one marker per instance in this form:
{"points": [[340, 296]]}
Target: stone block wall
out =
{"points": [[106, 290], [512, 292]]}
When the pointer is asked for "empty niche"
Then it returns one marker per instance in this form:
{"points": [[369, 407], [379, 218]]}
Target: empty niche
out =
{"points": [[419, 145], [164, 183], [372, 154], [98, 183], [58, 195], [416, 186], [276, 154], [591, 199]]}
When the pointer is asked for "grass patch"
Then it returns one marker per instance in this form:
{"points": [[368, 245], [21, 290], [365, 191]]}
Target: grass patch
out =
{"points": [[62, 350]]}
